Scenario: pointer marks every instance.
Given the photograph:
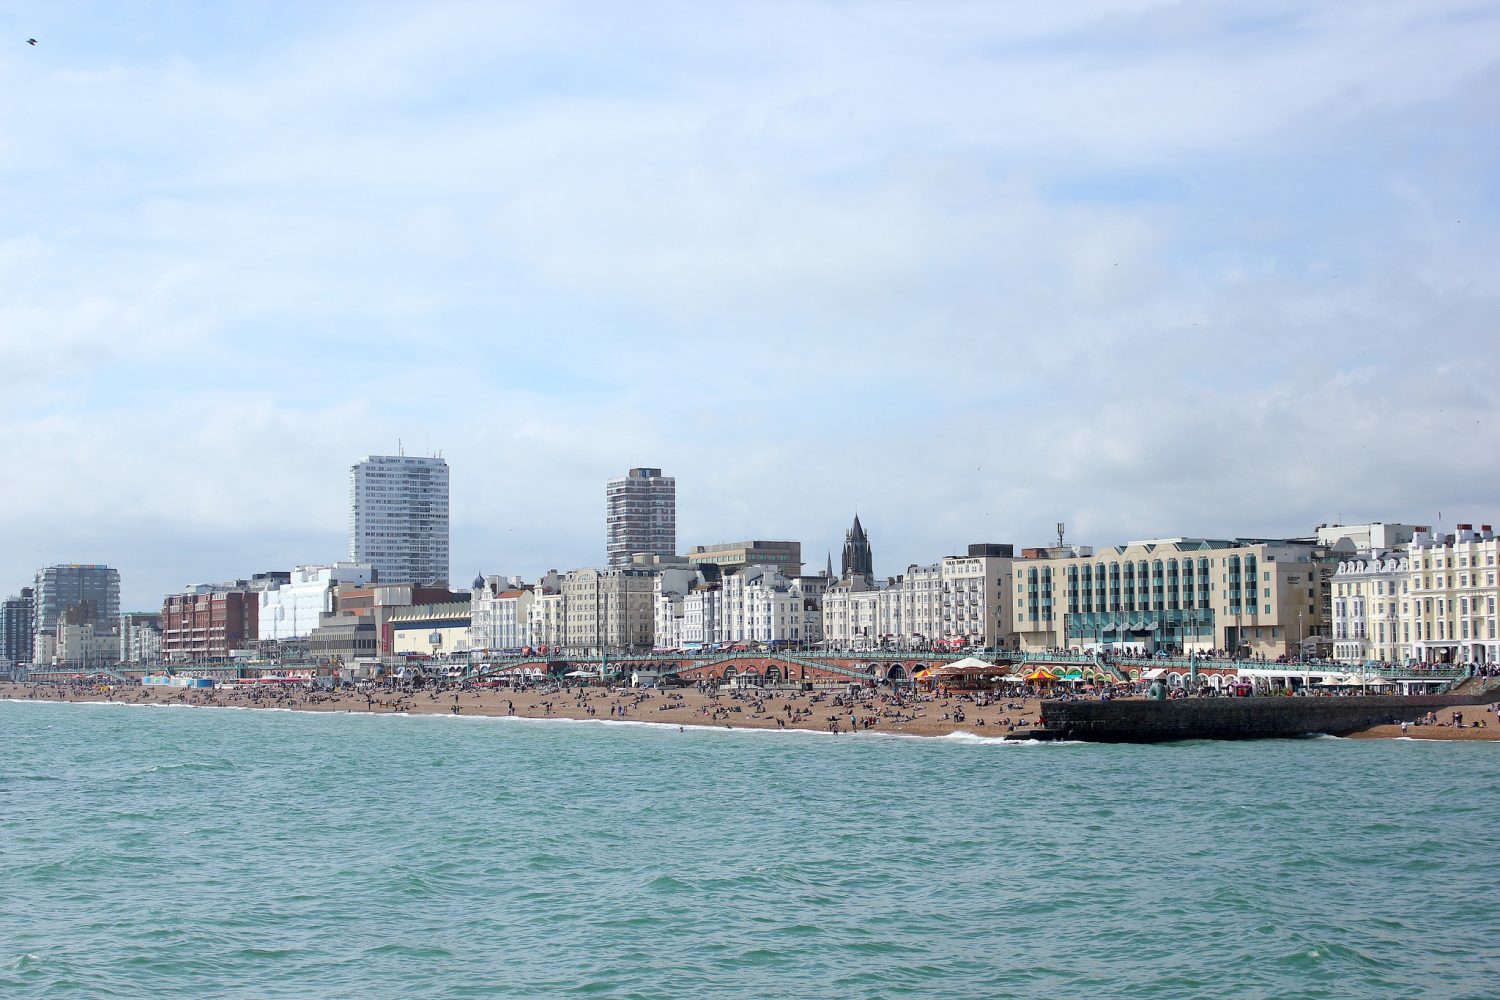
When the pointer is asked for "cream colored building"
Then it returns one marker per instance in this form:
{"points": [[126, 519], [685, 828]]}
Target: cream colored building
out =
{"points": [[1448, 602], [547, 620], [1244, 596], [851, 614], [1366, 621], [430, 629], [612, 609]]}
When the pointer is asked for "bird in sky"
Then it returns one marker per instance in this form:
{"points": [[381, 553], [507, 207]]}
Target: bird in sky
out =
{"points": [[31, 41]]}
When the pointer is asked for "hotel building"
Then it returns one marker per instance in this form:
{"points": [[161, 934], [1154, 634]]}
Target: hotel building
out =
{"points": [[1448, 601], [1246, 596]]}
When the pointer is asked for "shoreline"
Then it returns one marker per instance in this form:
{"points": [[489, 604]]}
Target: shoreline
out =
{"points": [[826, 713], [823, 713], [956, 736]]}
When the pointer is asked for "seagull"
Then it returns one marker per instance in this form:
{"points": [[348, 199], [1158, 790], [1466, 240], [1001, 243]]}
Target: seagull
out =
{"points": [[31, 41]]}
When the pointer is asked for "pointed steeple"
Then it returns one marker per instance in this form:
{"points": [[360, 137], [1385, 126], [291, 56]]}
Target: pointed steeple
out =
{"points": [[829, 571], [858, 560]]}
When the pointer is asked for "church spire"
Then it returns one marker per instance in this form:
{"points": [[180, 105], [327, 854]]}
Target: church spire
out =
{"points": [[858, 559]]}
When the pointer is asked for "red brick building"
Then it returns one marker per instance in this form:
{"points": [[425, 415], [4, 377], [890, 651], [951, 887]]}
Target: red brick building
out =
{"points": [[208, 626]]}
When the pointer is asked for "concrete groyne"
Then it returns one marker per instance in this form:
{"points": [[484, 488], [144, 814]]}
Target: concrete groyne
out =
{"points": [[1236, 718]]}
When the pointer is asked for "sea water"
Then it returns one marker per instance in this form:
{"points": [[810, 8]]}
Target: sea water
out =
{"points": [[149, 852]]}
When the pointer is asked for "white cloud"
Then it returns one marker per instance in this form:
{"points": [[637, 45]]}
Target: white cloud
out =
{"points": [[1143, 267]]}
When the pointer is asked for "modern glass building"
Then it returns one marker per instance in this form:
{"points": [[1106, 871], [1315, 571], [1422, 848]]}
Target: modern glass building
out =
{"points": [[80, 594]]}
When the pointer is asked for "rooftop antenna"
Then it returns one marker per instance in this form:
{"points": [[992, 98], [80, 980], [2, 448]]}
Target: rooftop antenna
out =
{"points": [[1060, 527], [400, 449]]}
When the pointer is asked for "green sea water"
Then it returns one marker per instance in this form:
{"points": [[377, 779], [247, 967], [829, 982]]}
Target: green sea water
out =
{"points": [[150, 852]]}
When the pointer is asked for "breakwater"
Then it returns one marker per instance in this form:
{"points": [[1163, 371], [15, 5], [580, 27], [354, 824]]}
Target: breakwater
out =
{"points": [[1234, 718]]}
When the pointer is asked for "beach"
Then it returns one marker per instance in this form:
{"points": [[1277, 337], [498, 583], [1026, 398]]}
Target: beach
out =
{"points": [[835, 712], [819, 711]]}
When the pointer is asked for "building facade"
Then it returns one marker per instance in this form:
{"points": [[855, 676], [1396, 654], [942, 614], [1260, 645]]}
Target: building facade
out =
{"points": [[398, 518], [640, 515], [18, 626], [548, 621], [1448, 601], [501, 611], [208, 624], [140, 637], [78, 593], [613, 609], [431, 629], [1248, 597], [291, 610], [760, 605], [961, 600], [785, 557]]}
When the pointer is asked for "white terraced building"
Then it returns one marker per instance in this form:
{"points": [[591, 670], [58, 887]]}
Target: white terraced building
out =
{"points": [[1448, 603], [961, 600], [1366, 607], [761, 605], [501, 611]]}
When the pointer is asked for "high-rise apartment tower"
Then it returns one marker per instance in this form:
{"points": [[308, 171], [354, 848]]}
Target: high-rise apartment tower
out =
{"points": [[398, 518], [83, 594], [17, 623], [640, 515]]}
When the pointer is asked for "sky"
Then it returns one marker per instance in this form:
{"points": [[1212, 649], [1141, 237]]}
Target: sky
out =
{"points": [[1146, 268]]}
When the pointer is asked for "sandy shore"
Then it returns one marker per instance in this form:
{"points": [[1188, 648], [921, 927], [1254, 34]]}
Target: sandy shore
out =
{"points": [[816, 711]]}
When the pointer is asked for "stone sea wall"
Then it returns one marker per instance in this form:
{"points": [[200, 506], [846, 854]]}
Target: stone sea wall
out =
{"points": [[1232, 718]]}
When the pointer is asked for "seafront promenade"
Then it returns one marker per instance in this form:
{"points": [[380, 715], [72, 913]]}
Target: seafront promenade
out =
{"points": [[842, 712]]}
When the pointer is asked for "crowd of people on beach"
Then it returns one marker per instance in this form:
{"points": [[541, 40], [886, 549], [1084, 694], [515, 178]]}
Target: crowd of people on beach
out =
{"points": [[836, 709]]}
